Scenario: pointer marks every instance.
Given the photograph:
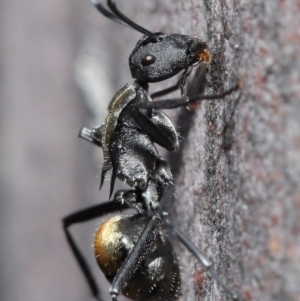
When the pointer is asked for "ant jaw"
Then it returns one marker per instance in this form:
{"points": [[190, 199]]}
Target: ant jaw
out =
{"points": [[198, 52], [203, 56]]}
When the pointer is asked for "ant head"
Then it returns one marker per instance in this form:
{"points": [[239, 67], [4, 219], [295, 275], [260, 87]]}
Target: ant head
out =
{"points": [[160, 57]]}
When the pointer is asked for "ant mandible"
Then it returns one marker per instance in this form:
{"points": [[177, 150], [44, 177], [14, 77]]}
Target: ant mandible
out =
{"points": [[133, 251]]}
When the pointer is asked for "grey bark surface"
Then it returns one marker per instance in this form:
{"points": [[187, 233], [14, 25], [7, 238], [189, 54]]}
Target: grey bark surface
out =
{"points": [[237, 171], [237, 183]]}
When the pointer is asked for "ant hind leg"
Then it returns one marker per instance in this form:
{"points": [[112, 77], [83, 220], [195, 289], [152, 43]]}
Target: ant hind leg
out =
{"points": [[200, 256], [123, 199]]}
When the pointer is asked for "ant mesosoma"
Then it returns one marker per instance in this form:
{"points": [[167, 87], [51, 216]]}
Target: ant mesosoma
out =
{"points": [[133, 251]]}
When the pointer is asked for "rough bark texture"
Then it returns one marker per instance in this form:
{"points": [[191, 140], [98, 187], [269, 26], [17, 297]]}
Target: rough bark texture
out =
{"points": [[238, 192], [237, 171]]}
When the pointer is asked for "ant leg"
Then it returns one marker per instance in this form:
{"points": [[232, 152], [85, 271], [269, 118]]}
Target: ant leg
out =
{"points": [[135, 257], [182, 82], [122, 200], [162, 135], [200, 256], [181, 102], [166, 91], [94, 136], [158, 197]]}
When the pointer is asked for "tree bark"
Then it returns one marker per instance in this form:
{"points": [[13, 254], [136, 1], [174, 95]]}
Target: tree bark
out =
{"points": [[237, 181]]}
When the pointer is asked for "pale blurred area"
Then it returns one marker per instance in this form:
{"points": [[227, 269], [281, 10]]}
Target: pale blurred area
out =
{"points": [[57, 58]]}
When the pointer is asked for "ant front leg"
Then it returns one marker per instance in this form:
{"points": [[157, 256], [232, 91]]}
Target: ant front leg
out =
{"points": [[182, 82], [167, 90], [182, 102]]}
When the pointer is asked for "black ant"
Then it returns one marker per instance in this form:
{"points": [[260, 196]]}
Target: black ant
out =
{"points": [[133, 251]]}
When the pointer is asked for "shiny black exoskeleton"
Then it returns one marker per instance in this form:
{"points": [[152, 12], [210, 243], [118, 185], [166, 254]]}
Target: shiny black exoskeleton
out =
{"points": [[133, 251], [157, 277]]}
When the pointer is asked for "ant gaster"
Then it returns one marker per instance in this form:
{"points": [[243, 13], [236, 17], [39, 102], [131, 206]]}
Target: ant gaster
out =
{"points": [[132, 251]]}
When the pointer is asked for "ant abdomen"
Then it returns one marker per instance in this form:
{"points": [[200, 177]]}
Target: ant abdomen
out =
{"points": [[157, 277]]}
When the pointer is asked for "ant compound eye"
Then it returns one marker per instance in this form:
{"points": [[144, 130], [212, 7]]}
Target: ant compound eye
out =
{"points": [[148, 60]]}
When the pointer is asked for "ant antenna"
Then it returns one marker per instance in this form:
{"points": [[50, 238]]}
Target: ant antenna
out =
{"points": [[107, 13], [118, 17]]}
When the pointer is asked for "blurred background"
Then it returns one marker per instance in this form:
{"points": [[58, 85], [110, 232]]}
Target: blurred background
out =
{"points": [[60, 64]]}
